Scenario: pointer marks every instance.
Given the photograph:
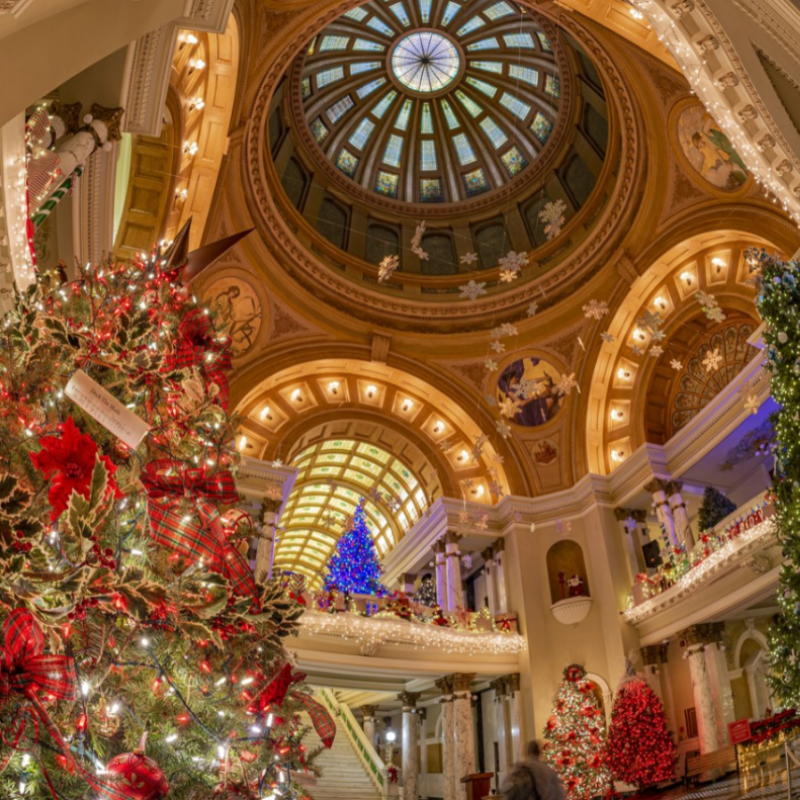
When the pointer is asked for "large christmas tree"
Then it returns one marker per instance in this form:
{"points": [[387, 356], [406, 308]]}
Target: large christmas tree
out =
{"points": [[639, 750], [575, 737], [354, 567], [126, 604], [779, 305]]}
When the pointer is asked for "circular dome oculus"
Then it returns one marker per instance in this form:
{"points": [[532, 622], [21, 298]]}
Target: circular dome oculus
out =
{"points": [[430, 101], [425, 61]]}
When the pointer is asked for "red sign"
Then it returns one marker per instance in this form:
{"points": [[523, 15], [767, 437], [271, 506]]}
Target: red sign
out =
{"points": [[739, 731]]}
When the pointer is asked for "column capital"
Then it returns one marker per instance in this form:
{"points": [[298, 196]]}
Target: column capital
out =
{"points": [[653, 655], [674, 487], [656, 485], [462, 681], [369, 712], [499, 546], [513, 683], [408, 577], [445, 686], [636, 514], [703, 634], [270, 505], [69, 113], [409, 699], [487, 555], [111, 118], [452, 537], [499, 686], [438, 546]]}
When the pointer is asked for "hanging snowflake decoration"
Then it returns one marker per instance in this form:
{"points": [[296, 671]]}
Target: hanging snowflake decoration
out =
{"points": [[637, 351], [513, 261], [416, 242], [469, 258], [710, 306], [553, 217], [567, 384], [483, 522], [472, 290], [595, 309], [533, 308], [490, 365], [463, 517], [387, 267], [508, 275], [498, 346], [713, 360], [502, 428], [656, 351], [676, 364], [752, 405], [510, 407], [509, 329], [607, 337]]}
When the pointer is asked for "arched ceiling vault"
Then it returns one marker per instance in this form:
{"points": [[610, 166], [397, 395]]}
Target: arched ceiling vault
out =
{"points": [[617, 421]]}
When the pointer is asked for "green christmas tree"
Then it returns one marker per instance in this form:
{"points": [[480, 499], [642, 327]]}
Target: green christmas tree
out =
{"points": [[575, 736], [714, 509], [779, 304], [354, 567]]}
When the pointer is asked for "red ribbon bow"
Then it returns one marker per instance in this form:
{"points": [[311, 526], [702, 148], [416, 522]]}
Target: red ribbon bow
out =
{"points": [[171, 528], [200, 346]]}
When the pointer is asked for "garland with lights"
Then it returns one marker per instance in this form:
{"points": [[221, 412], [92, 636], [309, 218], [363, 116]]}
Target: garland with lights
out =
{"points": [[354, 567], [639, 750], [779, 305], [130, 616], [575, 736]]}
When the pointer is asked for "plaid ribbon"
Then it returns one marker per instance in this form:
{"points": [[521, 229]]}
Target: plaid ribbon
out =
{"points": [[171, 528], [197, 342], [320, 718], [274, 693]]}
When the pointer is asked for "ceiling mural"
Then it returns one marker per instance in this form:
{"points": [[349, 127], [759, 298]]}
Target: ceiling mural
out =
{"points": [[530, 387], [238, 311], [431, 101]]}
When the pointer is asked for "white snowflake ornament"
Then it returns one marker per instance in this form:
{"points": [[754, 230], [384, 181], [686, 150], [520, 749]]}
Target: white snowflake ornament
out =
{"points": [[472, 290], [387, 267], [553, 217], [469, 258], [676, 364], [713, 360], [595, 309]]}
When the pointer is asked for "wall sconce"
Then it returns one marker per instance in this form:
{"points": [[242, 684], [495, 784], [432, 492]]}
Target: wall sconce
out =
{"points": [[187, 38], [660, 303], [438, 427], [196, 64], [688, 277], [639, 334], [617, 414], [266, 413], [181, 194], [463, 456], [408, 404], [617, 455], [478, 491], [197, 104], [623, 374], [371, 391], [297, 396], [190, 148], [719, 263], [333, 387], [242, 443]]}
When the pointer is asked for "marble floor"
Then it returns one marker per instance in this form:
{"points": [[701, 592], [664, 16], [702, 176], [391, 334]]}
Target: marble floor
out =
{"points": [[766, 784]]}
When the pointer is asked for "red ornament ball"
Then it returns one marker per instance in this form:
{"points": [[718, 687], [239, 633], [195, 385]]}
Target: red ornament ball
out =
{"points": [[133, 776], [235, 791]]}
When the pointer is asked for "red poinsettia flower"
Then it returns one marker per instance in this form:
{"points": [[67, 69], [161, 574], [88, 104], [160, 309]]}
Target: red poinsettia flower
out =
{"points": [[67, 461]]}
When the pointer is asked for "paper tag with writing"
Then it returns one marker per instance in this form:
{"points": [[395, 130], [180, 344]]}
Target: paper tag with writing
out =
{"points": [[106, 409]]}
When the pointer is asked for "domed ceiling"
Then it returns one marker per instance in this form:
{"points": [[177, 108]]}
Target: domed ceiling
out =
{"points": [[431, 102]]}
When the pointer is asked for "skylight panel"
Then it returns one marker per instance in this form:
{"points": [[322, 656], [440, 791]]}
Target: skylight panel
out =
{"points": [[361, 134], [402, 118], [426, 124], [333, 43], [472, 107], [364, 66], [485, 44], [482, 86], [356, 14], [368, 44], [379, 25], [368, 88], [449, 13], [428, 160], [328, 76], [516, 106], [425, 10], [399, 10], [521, 40], [449, 115], [495, 133], [381, 108], [473, 25], [464, 150], [488, 66], [525, 74], [340, 108], [394, 151], [498, 11]]}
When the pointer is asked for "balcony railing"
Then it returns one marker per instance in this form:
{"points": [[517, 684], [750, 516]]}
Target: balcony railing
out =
{"points": [[736, 537]]}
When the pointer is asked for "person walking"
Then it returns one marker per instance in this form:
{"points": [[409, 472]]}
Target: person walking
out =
{"points": [[532, 780]]}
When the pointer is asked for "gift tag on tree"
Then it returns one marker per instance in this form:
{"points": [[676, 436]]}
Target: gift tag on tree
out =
{"points": [[106, 409]]}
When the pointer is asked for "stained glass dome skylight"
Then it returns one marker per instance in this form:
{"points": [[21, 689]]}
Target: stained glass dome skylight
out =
{"points": [[430, 101], [425, 61]]}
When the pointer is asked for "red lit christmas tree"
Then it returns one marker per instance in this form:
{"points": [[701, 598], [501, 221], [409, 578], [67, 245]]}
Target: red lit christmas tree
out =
{"points": [[575, 737], [354, 567], [640, 750]]}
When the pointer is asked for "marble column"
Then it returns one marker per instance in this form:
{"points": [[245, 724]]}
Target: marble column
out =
{"points": [[517, 717], [704, 704], [410, 745], [455, 594], [370, 721], [441, 576], [270, 509], [658, 488], [679, 514], [422, 714], [631, 518], [464, 731], [489, 573], [717, 667], [502, 724], [445, 685], [499, 548]]}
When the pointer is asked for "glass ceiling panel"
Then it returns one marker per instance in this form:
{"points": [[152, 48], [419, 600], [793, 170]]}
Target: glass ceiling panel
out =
{"points": [[425, 61]]}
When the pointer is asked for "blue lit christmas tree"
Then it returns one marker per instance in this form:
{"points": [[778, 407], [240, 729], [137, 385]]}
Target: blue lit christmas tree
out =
{"points": [[354, 567]]}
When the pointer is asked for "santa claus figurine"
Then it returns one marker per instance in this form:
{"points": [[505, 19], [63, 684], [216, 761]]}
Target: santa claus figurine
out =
{"points": [[576, 587]]}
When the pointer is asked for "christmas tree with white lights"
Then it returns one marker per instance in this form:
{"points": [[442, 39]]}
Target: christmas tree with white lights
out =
{"points": [[354, 567], [575, 737]]}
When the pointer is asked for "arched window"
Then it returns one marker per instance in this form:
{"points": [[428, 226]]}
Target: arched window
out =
{"points": [[276, 130], [382, 241], [566, 571], [295, 182], [595, 127], [535, 225], [441, 255], [332, 222], [579, 180], [491, 242]]}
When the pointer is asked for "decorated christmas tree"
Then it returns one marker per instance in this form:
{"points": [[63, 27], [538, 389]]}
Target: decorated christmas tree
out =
{"points": [[140, 655], [354, 567], [575, 737], [714, 509], [426, 593], [639, 750], [779, 305]]}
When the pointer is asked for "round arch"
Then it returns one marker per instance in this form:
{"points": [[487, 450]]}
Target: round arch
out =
{"points": [[712, 262]]}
